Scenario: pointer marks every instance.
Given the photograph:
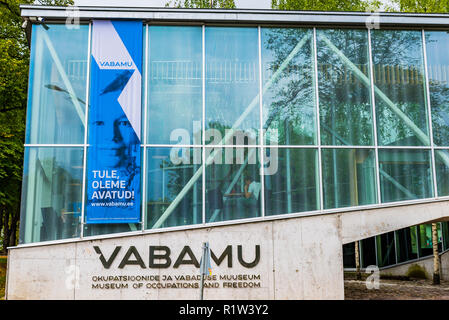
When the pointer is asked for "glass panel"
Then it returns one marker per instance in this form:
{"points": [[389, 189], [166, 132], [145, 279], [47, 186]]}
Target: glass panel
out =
{"points": [[437, 46], [344, 87], [445, 233], [368, 252], [349, 177], [425, 237], [233, 185], [169, 172], [442, 171], [405, 174], [291, 181], [349, 255], [232, 81], [57, 87], [289, 113], [385, 249], [406, 244], [175, 85], [400, 88], [51, 194]]}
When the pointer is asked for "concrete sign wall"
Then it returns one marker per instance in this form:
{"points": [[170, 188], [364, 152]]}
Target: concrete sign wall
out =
{"points": [[295, 258], [267, 260]]}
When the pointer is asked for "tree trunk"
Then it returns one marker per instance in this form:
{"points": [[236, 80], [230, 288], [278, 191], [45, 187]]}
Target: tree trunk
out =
{"points": [[436, 257], [1, 219], [15, 219], [357, 262], [6, 230]]}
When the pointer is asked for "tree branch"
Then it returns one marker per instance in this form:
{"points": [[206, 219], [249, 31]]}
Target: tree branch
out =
{"points": [[10, 9]]}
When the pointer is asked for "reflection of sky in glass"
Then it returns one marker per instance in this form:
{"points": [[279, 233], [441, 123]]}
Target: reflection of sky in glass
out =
{"points": [[345, 107], [232, 77], [175, 84], [398, 72], [53, 116], [289, 102], [437, 46], [71, 48]]}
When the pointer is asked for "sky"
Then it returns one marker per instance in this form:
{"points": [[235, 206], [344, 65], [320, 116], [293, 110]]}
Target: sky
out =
{"points": [[241, 4]]}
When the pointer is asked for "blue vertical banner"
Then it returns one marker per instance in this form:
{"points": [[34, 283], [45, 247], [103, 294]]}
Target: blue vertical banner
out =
{"points": [[113, 157]]}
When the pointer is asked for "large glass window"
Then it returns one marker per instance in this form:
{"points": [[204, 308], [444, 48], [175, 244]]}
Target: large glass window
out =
{"points": [[228, 98], [400, 88], [368, 252], [51, 197], [349, 177], [406, 244], [174, 179], [289, 112], [291, 181], [386, 251], [349, 255], [442, 171], [445, 234], [233, 185], [344, 87], [425, 239], [57, 87], [437, 46], [232, 81], [405, 174], [175, 85]]}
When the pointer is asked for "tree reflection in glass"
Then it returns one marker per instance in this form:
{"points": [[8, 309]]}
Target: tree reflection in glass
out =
{"points": [[232, 80], [345, 108], [289, 113], [399, 74], [437, 46]]}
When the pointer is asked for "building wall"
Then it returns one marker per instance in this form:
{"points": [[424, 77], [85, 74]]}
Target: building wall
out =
{"points": [[426, 264], [294, 264], [300, 258]]}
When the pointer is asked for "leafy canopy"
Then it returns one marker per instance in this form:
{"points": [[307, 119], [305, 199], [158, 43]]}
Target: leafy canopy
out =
{"points": [[222, 4]]}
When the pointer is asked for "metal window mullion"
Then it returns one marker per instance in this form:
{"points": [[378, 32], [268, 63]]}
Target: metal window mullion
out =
{"points": [[373, 108], [429, 112], [395, 247], [203, 138], [261, 133], [404, 147], [317, 106], [51, 145], [375, 249], [171, 145], [86, 117], [360, 254], [145, 111], [418, 242]]}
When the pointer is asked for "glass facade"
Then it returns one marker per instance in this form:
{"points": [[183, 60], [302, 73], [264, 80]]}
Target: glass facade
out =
{"points": [[396, 247], [246, 123]]}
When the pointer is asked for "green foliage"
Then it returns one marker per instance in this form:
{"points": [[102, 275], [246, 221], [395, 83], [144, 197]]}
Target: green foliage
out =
{"points": [[3, 264], [325, 5], [416, 271], [14, 62], [423, 6], [222, 4]]}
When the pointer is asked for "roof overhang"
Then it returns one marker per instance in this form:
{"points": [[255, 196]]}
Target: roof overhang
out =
{"points": [[237, 16]]}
